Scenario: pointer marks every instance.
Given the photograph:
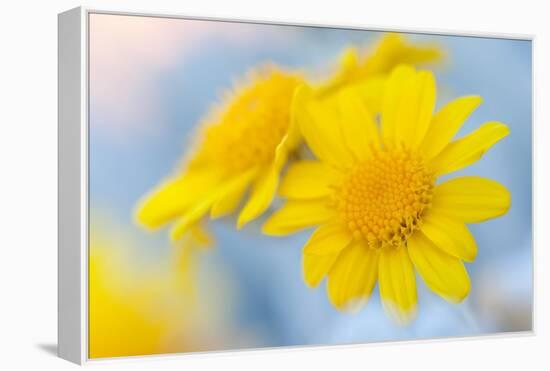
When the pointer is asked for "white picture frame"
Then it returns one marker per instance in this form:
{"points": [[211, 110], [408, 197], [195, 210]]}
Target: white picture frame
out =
{"points": [[73, 175]]}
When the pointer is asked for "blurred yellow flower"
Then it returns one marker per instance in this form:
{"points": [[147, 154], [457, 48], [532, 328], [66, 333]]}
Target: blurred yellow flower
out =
{"points": [[118, 326], [139, 309], [372, 191], [246, 142]]}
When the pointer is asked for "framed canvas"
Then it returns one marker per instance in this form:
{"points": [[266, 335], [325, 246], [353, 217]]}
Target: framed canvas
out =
{"points": [[231, 184]]}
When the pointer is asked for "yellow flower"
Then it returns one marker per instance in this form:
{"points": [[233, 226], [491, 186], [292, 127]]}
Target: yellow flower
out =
{"points": [[373, 193], [246, 142], [243, 144], [138, 308], [118, 324]]}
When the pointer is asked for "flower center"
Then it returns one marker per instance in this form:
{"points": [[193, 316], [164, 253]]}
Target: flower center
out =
{"points": [[247, 130], [382, 199]]}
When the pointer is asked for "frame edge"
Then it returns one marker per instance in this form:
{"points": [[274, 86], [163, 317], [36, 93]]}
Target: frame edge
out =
{"points": [[72, 255]]}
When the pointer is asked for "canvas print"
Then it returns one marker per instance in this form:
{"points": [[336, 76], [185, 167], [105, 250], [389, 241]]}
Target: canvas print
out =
{"points": [[260, 185]]}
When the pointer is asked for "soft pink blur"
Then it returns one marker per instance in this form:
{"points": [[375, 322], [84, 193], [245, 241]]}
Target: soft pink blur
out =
{"points": [[127, 52]]}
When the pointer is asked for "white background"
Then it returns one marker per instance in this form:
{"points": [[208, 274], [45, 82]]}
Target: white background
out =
{"points": [[28, 183]]}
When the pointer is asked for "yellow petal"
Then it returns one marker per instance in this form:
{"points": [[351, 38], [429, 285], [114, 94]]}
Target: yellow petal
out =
{"points": [[263, 191], [231, 194], [353, 276], [320, 128], [308, 179], [316, 267], [393, 50], [399, 81], [297, 215], [192, 216], [200, 236], [450, 235], [444, 274], [185, 263], [203, 205], [289, 142], [370, 92], [349, 62], [174, 196], [185, 260], [328, 239], [397, 284], [471, 199], [358, 125], [446, 123], [265, 186], [466, 151], [415, 109]]}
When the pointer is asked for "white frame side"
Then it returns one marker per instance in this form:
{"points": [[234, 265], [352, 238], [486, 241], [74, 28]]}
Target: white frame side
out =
{"points": [[72, 186]]}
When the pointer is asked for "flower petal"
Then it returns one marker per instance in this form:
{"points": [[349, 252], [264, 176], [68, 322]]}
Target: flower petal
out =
{"points": [[319, 125], [201, 236], [353, 277], [466, 151], [349, 60], [174, 196], [446, 123], [397, 284], [444, 274], [192, 216], [328, 239], [393, 49], [316, 267], [415, 109], [370, 92], [449, 235], [297, 215], [399, 80], [231, 194], [265, 186], [349, 63], [358, 125], [471, 199], [263, 191], [204, 204], [308, 179]]}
